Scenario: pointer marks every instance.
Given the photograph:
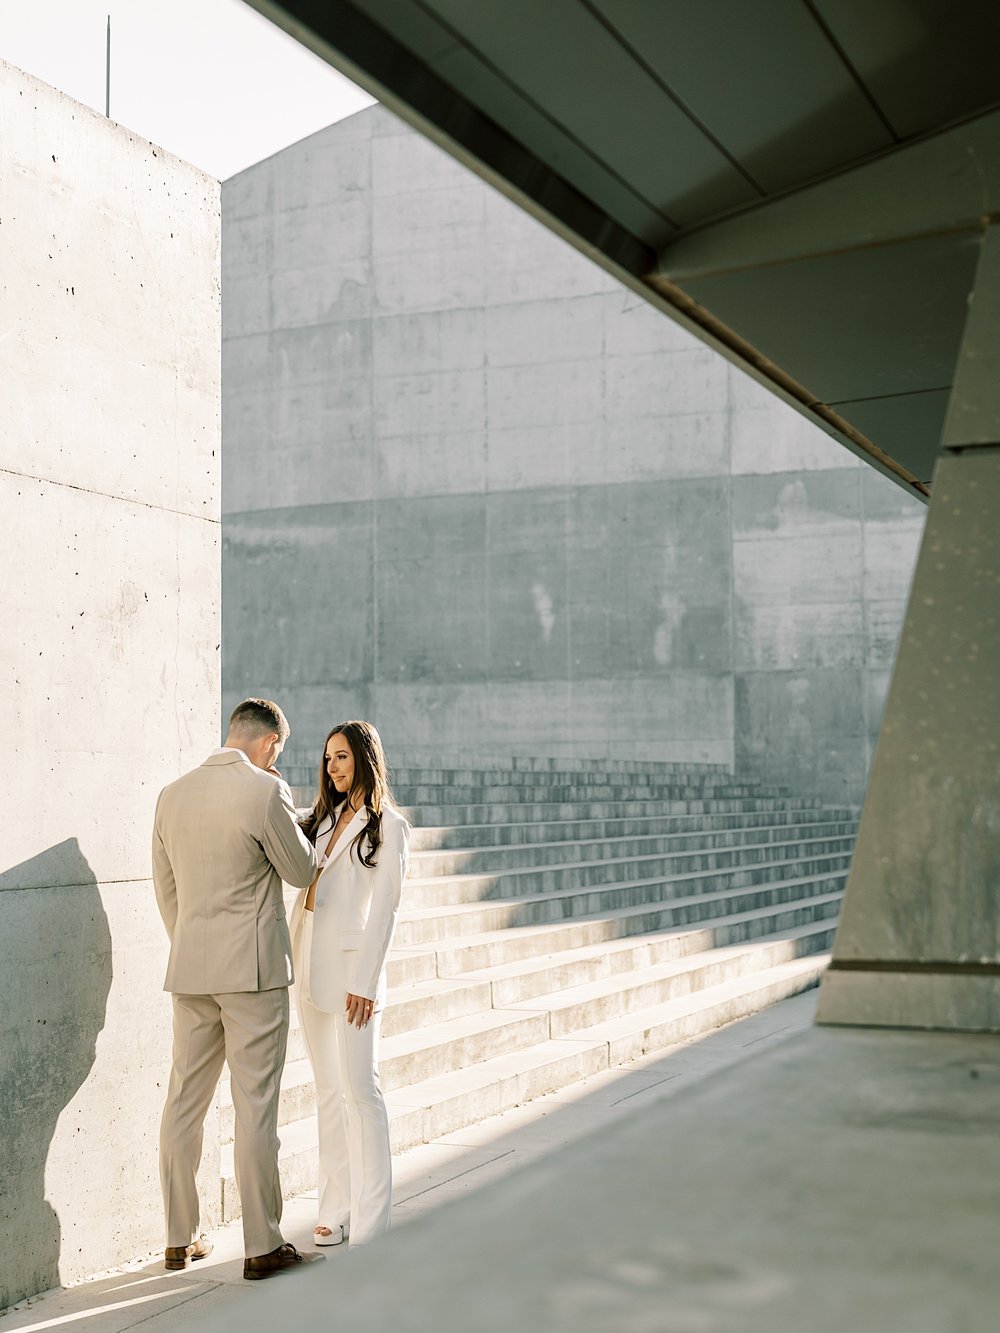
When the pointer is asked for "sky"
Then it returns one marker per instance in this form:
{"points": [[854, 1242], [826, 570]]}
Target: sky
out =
{"points": [[212, 81]]}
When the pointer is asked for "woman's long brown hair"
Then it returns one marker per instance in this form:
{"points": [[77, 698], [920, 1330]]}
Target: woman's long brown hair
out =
{"points": [[371, 782]]}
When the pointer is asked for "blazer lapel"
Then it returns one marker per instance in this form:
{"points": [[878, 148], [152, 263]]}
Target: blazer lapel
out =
{"points": [[354, 827]]}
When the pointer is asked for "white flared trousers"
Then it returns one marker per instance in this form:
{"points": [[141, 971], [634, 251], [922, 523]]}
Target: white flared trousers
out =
{"points": [[355, 1165]]}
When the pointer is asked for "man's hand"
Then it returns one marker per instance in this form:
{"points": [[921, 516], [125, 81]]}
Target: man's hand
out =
{"points": [[359, 1010]]}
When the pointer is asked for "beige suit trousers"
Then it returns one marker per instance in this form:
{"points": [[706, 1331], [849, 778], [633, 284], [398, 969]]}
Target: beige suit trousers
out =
{"points": [[249, 1029]]}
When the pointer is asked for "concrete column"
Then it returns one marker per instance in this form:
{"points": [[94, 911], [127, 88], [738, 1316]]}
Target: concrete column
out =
{"points": [[919, 940]]}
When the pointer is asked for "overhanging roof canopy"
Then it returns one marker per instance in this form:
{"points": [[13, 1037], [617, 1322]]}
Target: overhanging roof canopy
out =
{"points": [[806, 183]]}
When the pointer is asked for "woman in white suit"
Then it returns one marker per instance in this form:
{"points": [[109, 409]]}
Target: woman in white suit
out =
{"points": [[342, 927]]}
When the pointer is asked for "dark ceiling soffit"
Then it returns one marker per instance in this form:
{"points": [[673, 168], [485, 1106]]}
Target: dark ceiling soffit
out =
{"points": [[746, 354], [338, 33], [370, 57], [945, 183]]}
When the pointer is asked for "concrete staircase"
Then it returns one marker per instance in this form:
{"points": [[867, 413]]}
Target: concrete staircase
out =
{"points": [[561, 918]]}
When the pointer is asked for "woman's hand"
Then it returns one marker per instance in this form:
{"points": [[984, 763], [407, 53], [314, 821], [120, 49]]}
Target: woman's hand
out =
{"points": [[359, 1009]]}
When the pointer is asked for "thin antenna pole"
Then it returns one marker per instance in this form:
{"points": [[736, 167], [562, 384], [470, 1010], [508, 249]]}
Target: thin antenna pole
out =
{"points": [[107, 75]]}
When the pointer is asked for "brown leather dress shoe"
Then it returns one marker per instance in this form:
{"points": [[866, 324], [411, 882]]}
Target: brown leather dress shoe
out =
{"points": [[180, 1256], [285, 1256]]}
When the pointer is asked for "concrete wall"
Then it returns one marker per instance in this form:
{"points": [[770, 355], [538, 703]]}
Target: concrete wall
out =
{"points": [[475, 490], [109, 460]]}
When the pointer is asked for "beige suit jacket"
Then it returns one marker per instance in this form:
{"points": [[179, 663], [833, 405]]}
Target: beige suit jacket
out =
{"points": [[224, 837]]}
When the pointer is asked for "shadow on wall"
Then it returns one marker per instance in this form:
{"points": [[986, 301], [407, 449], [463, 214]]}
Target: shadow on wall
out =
{"points": [[55, 975]]}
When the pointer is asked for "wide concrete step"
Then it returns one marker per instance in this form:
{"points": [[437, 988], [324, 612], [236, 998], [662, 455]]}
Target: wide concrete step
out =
{"points": [[565, 832], [423, 1111], [557, 971], [470, 860], [502, 947], [405, 966], [300, 769], [521, 881], [634, 1035], [584, 789], [529, 812], [562, 772], [433, 1001], [584, 986], [591, 990], [582, 1006], [421, 926]]}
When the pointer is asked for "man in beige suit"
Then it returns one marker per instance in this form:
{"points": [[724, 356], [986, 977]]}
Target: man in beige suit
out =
{"points": [[224, 838]]}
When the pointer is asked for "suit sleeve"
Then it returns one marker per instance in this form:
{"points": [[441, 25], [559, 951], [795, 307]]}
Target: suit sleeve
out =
{"points": [[387, 891], [285, 845], [163, 879]]}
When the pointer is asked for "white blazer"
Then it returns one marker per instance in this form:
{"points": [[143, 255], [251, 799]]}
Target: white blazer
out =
{"points": [[354, 915]]}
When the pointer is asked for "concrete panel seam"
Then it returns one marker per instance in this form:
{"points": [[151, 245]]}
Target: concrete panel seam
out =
{"points": [[89, 884], [108, 495]]}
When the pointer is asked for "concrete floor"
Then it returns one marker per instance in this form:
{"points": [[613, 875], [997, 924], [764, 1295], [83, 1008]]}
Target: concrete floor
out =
{"points": [[840, 1179]]}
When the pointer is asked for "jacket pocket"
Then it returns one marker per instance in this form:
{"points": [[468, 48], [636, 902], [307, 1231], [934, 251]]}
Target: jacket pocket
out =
{"points": [[279, 912], [351, 939]]}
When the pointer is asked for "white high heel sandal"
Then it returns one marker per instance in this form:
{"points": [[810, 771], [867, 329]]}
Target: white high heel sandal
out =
{"points": [[337, 1236]]}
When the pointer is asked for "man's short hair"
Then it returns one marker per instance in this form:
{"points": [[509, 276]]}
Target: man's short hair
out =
{"points": [[257, 717]]}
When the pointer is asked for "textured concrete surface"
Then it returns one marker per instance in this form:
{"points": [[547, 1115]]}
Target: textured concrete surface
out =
{"points": [[498, 504], [772, 1178], [109, 463], [919, 942], [840, 1180]]}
